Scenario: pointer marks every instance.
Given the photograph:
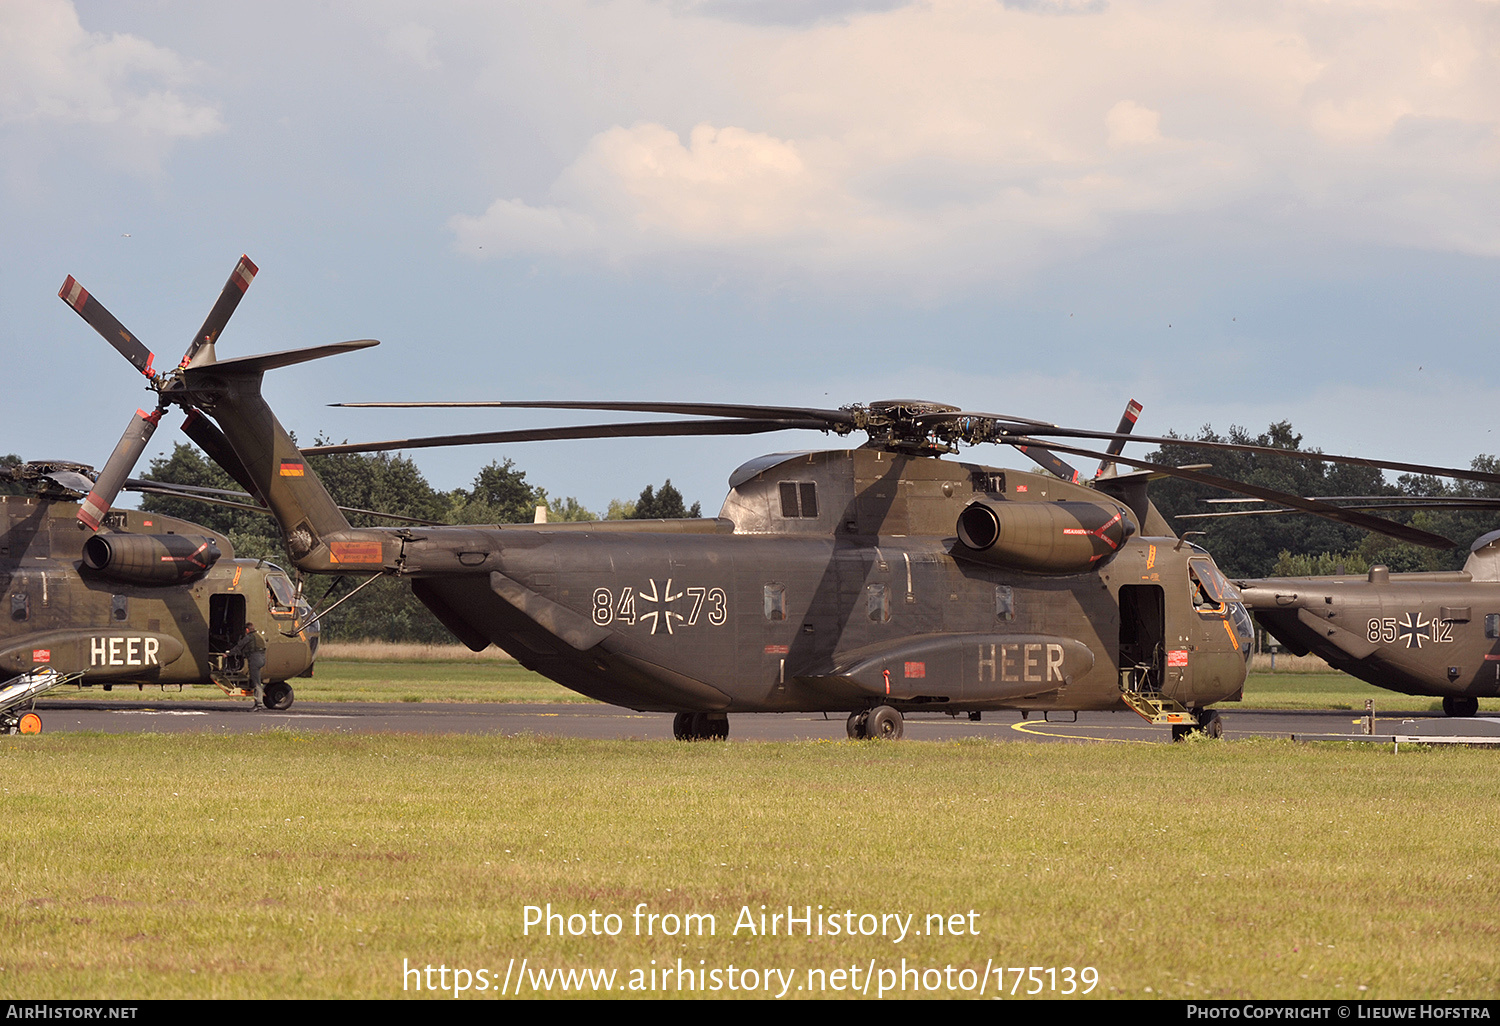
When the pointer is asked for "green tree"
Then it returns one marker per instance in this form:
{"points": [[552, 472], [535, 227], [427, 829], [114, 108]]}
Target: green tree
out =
{"points": [[11, 487], [1256, 545], [666, 504]]}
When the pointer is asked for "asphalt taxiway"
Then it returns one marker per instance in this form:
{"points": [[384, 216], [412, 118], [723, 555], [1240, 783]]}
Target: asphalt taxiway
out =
{"points": [[587, 720]]}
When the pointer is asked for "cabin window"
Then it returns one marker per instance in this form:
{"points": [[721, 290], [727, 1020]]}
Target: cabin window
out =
{"points": [[878, 602], [1005, 602], [1492, 625], [20, 606], [991, 482], [775, 602], [799, 500]]}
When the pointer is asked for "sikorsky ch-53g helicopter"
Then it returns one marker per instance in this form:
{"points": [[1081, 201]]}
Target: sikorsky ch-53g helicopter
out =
{"points": [[876, 581], [142, 599]]}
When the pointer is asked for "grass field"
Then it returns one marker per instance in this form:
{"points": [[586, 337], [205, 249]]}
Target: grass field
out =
{"points": [[285, 865]]}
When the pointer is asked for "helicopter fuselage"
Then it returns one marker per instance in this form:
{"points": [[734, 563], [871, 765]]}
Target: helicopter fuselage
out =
{"points": [[834, 581], [123, 626]]}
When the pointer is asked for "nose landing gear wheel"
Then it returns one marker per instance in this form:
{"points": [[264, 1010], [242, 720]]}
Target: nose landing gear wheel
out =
{"points": [[857, 725], [279, 696]]}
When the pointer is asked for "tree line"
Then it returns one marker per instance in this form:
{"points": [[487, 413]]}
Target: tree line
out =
{"points": [[1299, 544]]}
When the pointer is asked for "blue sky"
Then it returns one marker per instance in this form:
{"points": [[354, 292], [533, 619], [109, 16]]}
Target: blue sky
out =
{"points": [[1234, 212]]}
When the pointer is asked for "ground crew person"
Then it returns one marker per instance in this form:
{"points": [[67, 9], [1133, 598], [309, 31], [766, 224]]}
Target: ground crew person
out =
{"points": [[253, 647]]}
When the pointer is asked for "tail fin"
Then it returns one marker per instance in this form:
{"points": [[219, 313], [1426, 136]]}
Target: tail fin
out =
{"points": [[316, 532]]}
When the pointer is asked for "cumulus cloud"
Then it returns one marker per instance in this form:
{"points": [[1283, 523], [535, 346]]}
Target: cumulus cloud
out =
{"points": [[958, 142], [53, 71]]}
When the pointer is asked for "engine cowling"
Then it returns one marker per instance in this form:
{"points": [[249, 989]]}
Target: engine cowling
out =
{"points": [[150, 558], [1043, 537]]}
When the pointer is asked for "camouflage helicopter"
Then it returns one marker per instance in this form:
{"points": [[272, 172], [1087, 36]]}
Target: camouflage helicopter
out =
{"points": [[874, 582], [143, 599]]}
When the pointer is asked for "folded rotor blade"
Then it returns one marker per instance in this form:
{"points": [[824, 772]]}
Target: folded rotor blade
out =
{"points": [[641, 430], [243, 274], [195, 493], [206, 434], [833, 417], [1048, 460], [121, 462], [1353, 518], [1265, 450], [102, 321]]}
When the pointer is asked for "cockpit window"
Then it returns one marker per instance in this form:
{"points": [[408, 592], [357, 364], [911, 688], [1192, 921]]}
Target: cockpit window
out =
{"points": [[282, 595], [1206, 587]]}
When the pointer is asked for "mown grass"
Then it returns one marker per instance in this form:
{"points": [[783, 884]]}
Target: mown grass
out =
{"points": [[288, 865]]}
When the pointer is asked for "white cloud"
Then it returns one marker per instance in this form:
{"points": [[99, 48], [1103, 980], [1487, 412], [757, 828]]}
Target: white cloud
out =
{"points": [[54, 71], [963, 142]]}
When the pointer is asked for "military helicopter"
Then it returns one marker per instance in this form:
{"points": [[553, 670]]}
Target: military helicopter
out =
{"points": [[1432, 634], [143, 599], [878, 581]]}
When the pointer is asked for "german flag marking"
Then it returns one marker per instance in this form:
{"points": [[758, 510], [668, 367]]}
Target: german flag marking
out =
{"points": [[292, 470]]}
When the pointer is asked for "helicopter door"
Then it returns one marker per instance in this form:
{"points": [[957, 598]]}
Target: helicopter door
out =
{"points": [[1143, 637], [226, 621]]}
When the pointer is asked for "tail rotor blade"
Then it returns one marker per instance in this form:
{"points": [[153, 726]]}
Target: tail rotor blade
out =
{"points": [[1127, 423], [102, 321], [234, 289], [121, 462]]}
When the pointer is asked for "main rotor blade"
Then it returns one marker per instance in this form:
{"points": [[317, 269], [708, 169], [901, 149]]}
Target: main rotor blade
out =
{"points": [[215, 444], [1266, 450], [641, 430], [835, 417], [234, 289], [1344, 516], [196, 493], [102, 321], [1455, 504], [121, 462], [1048, 460]]}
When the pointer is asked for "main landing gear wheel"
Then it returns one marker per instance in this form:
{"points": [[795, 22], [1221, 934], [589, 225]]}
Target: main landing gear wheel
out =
{"points": [[884, 724], [1460, 705], [700, 726], [1211, 723], [279, 695]]}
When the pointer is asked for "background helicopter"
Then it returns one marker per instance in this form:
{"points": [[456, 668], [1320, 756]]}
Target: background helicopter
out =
{"points": [[146, 599], [875, 581], [1429, 633]]}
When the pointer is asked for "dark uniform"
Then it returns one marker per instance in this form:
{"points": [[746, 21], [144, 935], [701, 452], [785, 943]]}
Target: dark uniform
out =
{"points": [[253, 647]]}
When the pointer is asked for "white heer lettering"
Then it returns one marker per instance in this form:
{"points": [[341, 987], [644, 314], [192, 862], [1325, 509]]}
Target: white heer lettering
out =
{"points": [[115, 645], [1031, 663], [1008, 668], [132, 651], [97, 651], [986, 662], [152, 644], [1054, 662]]}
